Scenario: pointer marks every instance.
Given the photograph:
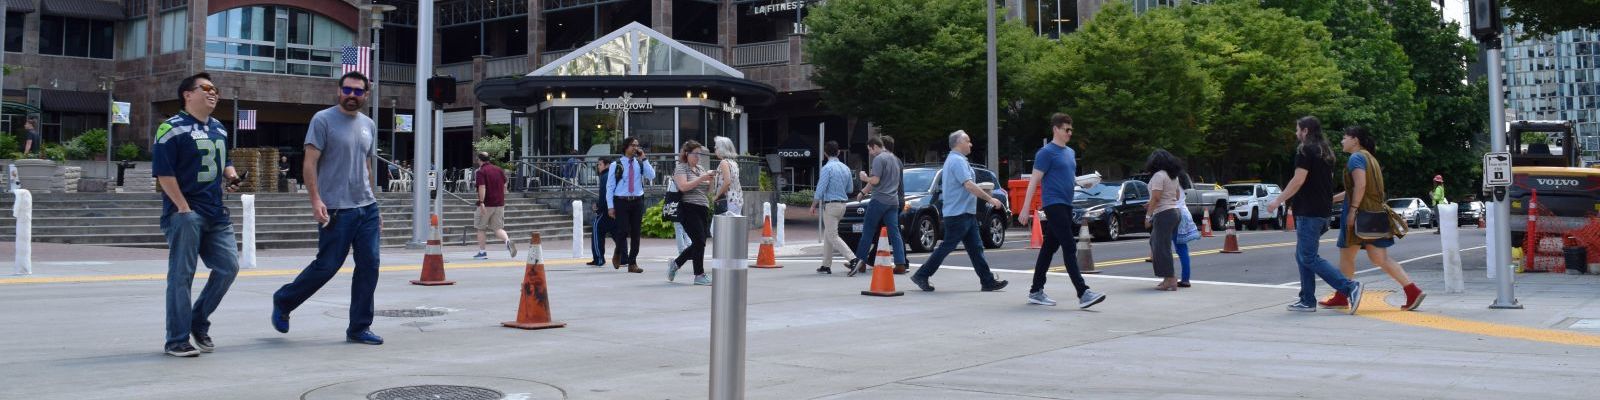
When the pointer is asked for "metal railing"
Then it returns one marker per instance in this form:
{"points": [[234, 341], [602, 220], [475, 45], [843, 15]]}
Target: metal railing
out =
{"points": [[776, 52], [462, 71], [507, 66], [712, 50], [398, 73], [566, 173], [550, 56]]}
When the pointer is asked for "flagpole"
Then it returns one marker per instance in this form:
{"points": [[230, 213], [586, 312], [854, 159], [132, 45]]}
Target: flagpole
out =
{"points": [[235, 141]]}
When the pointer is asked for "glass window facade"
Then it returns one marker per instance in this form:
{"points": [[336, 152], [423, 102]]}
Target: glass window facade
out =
{"points": [[75, 37], [135, 38], [14, 31], [1556, 78], [174, 31], [275, 39]]}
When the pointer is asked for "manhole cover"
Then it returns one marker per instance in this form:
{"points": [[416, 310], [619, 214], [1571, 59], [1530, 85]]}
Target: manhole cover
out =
{"points": [[436, 392], [409, 313]]}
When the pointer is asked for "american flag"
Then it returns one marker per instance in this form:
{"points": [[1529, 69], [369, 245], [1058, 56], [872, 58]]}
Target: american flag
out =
{"points": [[356, 59], [247, 120]]}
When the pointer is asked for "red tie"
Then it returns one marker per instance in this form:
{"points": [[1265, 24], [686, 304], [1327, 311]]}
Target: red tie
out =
{"points": [[631, 172]]}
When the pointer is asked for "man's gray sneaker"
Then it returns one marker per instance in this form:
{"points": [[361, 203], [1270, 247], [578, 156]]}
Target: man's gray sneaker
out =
{"points": [[512, 248], [1040, 298], [203, 342], [182, 350], [1355, 297], [1090, 298], [1301, 307], [703, 280]]}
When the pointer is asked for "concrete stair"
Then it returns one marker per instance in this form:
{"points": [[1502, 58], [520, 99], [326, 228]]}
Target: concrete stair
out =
{"points": [[283, 220]]}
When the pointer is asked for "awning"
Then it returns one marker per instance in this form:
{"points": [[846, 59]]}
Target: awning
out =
{"points": [[520, 92], [87, 9], [69, 101], [12, 107], [20, 6]]}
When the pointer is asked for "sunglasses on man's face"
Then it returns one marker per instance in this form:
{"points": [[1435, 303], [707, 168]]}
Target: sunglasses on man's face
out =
{"points": [[206, 87], [350, 91]]}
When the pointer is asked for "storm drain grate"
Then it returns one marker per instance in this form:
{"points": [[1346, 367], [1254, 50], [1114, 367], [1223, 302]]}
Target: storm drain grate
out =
{"points": [[436, 392], [409, 313]]}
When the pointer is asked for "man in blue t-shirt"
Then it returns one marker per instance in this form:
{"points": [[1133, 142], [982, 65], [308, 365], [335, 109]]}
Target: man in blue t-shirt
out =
{"points": [[190, 162], [339, 174], [1056, 168], [960, 209]]}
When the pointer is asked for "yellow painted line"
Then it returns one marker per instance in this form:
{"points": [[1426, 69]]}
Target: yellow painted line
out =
{"points": [[1126, 261], [262, 272], [1373, 306]]}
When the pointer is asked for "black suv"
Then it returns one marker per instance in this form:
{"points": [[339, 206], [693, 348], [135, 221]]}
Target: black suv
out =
{"points": [[1112, 209], [920, 221]]}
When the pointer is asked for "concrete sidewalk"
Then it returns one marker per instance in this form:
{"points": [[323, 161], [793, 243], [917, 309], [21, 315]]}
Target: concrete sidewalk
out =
{"points": [[636, 336]]}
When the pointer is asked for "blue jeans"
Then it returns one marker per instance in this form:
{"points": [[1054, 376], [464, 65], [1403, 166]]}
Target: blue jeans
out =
{"points": [[191, 237], [879, 216], [597, 242], [1307, 232], [350, 227], [960, 229], [1183, 256]]}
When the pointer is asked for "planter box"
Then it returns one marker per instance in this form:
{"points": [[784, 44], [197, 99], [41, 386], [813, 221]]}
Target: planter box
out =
{"points": [[37, 175]]}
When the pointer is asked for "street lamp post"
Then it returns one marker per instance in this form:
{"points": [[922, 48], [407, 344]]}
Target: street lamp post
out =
{"points": [[376, 12], [110, 84], [993, 103]]}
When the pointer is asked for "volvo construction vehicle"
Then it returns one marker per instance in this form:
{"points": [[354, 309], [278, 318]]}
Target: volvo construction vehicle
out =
{"points": [[1568, 192]]}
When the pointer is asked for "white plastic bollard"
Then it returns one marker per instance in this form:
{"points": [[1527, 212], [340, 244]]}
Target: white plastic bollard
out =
{"points": [[22, 210], [766, 211], [247, 256], [783, 212], [577, 229], [1450, 247]]}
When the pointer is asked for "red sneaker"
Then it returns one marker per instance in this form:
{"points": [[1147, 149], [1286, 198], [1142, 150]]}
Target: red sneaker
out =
{"points": [[1414, 297], [1337, 301]]}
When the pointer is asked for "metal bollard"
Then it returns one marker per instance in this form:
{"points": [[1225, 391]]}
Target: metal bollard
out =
{"points": [[730, 275], [783, 211], [247, 256], [22, 210], [577, 229], [1450, 248]]}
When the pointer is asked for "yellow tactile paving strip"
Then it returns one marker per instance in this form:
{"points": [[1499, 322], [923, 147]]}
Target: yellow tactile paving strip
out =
{"points": [[1374, 306], [263, 272]]}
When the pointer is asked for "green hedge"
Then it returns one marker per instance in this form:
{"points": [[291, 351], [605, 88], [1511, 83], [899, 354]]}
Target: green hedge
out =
{"points": [[654, 226]]}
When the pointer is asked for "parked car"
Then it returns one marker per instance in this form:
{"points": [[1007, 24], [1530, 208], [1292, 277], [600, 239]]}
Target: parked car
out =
{"points": [[1468, 212], [1112, 209], [920, 218], [1416, 213], [1248, 203]]}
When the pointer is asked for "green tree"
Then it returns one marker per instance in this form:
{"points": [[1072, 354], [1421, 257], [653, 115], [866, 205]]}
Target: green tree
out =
{"points": [[1456, 112], [1272, 69], [1131, 84], [1379, 92], [913, 67], [1548, 17]]}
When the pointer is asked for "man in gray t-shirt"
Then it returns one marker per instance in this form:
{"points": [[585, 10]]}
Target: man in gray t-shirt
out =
{"points": [[338, 174], [884, 209]]}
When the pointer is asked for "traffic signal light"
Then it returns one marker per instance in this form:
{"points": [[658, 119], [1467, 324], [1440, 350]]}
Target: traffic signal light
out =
{"points": [[1485, 15], [442, 89]]}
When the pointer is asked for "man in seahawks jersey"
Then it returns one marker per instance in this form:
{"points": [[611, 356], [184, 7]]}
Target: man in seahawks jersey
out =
{"points": [[191, 160]]}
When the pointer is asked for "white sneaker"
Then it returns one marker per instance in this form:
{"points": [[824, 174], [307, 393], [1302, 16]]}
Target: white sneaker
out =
{"points": [[702, 280], [1041, 299], [1090, 298], [512, 248]]}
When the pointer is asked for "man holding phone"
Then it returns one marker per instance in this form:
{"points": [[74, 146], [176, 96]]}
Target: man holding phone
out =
{"points": [[189, 153], [625, 201], [338, 173]]}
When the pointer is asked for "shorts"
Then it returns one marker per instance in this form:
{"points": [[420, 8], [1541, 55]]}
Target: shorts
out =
{"points": [[1379, 243], [491, 219]]}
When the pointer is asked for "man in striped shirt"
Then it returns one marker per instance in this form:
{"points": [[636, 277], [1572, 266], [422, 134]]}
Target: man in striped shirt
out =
{"points": [[833, 188]]}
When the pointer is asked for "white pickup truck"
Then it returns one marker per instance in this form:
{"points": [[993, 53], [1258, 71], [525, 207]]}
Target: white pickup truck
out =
{"points": [[1248, 202]]}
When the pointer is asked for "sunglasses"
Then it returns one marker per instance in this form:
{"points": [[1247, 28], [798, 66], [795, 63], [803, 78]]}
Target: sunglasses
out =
{"points": [[206, 87], [350, 91]]}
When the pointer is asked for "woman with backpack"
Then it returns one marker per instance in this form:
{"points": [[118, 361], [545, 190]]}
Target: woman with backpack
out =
{"points": [[1364, 225]]}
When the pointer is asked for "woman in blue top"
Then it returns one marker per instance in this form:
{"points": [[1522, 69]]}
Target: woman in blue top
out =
{"points": [[1364, 185]]}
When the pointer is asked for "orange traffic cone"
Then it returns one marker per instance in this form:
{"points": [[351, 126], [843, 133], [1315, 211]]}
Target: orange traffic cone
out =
{"points": [[765, 257], [1036, 240], [1230, 244], [1085, 252], [433, 260], [883, 277], [533, 312], [1289, 226], [1205, 224], [1481, 223]]}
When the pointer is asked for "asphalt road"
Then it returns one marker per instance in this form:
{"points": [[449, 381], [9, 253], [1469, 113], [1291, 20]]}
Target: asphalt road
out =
{"points": [[1267, 257]]}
